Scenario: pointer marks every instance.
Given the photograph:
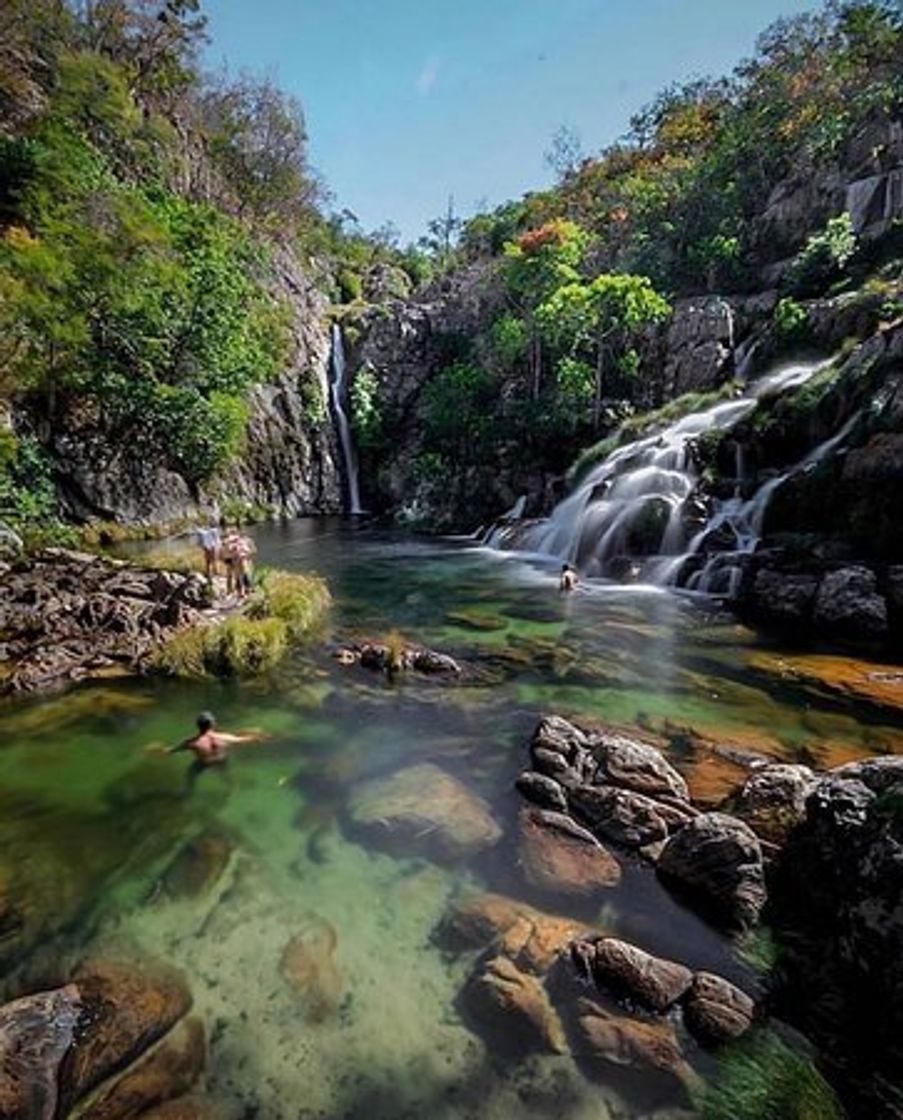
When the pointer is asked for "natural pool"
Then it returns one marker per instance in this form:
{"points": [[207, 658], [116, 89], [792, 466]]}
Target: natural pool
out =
{"points": [[93, 816]]}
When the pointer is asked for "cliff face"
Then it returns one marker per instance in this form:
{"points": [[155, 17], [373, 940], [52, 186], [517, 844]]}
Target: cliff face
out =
{"points": [[289, 466]]}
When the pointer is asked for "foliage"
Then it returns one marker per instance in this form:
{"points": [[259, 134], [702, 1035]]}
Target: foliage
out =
{"points": [[823, 257], [366, 410], [299, 601], [791, 320], [27, 493], [237, 647], [457, 405], [762, 1078], [509, 339]]}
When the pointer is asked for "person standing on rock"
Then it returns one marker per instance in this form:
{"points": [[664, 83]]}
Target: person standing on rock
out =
{"points": [[211, 748], [569, 580], [209, 540], [232, 559]]}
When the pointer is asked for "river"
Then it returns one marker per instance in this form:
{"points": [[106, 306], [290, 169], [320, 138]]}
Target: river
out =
{"points": [[92, 810]]}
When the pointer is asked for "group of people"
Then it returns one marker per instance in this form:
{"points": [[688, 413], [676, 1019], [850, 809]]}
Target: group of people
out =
{"points": [[235, 551]]}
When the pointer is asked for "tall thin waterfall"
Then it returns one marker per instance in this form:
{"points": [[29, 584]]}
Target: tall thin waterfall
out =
{"points": [[337, 393], [637, 507]]}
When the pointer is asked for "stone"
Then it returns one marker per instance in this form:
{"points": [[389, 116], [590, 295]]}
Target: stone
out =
{"points": [[716, 1010], [167, 1072], [555, 734], [127, 1005], [542, 790], [848, 604], [309, 969], [636, 766], [422, 809], [717, 860], [772, 800], [558, 855], [620, 815], [502, 998], [783, 598], [876, 774], [630, 973], [197, 866], [554, 765], [430, 661], [36, 1032], [622, 1041]]}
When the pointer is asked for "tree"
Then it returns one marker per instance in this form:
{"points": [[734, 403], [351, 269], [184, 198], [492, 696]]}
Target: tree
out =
{"points": [[565, 153], [600, 316], [442, 234]]}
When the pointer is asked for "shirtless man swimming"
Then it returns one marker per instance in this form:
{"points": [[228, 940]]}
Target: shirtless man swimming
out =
{"points": [[568, 580], [211, 747]]}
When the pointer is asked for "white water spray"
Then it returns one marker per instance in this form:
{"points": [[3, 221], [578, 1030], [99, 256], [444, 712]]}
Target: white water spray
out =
{"points": [[337, 396]]}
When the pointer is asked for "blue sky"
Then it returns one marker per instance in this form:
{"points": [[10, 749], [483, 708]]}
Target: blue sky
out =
{"points": [[410, 101]]}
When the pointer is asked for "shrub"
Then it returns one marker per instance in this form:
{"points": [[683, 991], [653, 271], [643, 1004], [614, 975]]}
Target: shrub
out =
{"points": [[300, 601], [791, 320], [822, 259], [237, 647], [351, 285]]}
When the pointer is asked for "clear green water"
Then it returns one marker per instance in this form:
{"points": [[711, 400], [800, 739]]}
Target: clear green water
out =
{"points": [[91, 819]]}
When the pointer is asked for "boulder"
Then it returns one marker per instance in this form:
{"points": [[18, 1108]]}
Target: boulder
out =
{"points": [[627, 818], [717, 860], [309, 969], [716, 1010], [555, 734], [422, 810], [630, 973], [167, 1072], [503, 999], [558, 855], [636, 766], [848, 604], [126, 1006], [783, 598], [772, 800], [36, 1033], [622, 1041], [542, 790]]}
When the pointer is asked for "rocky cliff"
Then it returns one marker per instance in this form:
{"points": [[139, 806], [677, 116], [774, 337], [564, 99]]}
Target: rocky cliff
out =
{"points": [[289, 466]]}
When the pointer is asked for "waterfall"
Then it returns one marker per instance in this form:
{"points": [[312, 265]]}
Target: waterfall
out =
{"points": [[635, 513], [337, 393]]}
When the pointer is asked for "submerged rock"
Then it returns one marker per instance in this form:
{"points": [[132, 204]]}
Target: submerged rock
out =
{"points": [[558, 855], [422, 809], [717, 859], [198, 866], [622, 1041], [503, 998], [309, 968]]}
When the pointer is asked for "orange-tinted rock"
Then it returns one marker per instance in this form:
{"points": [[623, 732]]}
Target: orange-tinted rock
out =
{"points": [[629, 972], [126, 1007], [850, 677], [558, 855], [169, 1071], [629, 1042], [309, 968], [502, 997]]}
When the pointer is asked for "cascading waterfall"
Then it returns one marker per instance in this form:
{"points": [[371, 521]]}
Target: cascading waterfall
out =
{"points": [[630, 514], [337, 397]]}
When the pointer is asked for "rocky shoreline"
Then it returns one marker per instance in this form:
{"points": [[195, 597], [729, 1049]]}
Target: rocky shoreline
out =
{"points": [[72, 616]]}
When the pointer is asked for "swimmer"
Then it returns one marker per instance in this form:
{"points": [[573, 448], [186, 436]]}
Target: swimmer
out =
{"points": [[569, 580], [211, 747]]}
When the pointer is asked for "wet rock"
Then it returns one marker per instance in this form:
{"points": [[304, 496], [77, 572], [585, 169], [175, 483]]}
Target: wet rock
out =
{"points": [[558, 855], [542, 790], [168, 1072], [782, 597], [197, 866], [716, 1010], [423, 809], [430, 661], [552, 764], [772, 800], [391, 659], [630, 973], [503, 999], [621, 1041], [309, 968], [877, 774], [555, 734], [636, 766], [36, 1032], [620, 815], [848, 603], [126, 1007], [717, 859]]}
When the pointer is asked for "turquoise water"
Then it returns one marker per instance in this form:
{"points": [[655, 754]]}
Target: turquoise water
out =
{"points": [[94, 816]]}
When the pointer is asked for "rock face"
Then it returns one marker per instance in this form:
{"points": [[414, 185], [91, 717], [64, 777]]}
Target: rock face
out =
{"points": [[422, 809], [718, 860], [558, 855], [289, 465], [70, 615], [836, 909]]}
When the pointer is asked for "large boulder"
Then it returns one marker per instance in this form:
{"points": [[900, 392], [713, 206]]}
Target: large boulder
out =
{"points": [[558, 855], [772, 800], [502, 998], [783, 598], [849, 604], [636, 766], [717, 860], [630, 973], [422, 810]]}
